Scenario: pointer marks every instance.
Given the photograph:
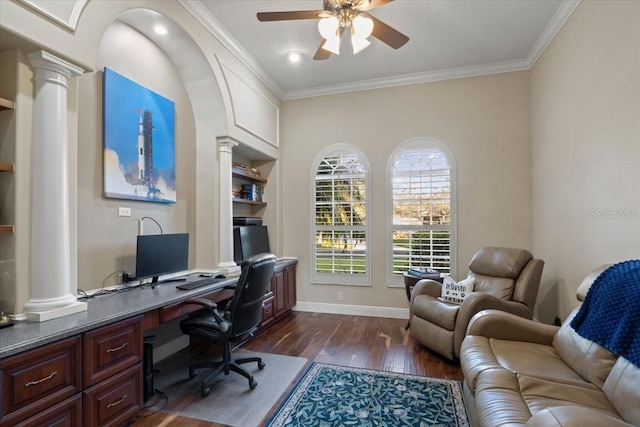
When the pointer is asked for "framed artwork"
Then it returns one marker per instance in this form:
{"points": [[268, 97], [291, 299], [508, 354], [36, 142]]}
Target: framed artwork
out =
{"points": [[139, 142]]}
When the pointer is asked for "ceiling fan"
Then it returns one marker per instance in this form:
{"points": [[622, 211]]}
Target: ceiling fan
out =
{"points": [[339, 15]]}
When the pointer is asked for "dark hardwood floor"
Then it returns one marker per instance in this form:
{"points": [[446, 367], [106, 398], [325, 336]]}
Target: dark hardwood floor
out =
{"points": [[358, 341]]}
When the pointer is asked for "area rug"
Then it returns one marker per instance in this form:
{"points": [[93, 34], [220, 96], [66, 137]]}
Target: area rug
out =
{"points": [[230, 402], [331, 395]]}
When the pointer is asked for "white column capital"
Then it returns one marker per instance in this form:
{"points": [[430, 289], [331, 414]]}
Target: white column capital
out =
{"points": [[226, 144], [41, 59]]}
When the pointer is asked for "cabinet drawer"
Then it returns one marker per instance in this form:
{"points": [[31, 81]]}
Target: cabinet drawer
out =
{"points": [[67, 413], [39, 378], [110, 349], [114, 400], [267, 311]]}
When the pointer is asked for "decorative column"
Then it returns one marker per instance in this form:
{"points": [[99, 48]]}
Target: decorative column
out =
{"points": [[225, 149], [51, 295]]}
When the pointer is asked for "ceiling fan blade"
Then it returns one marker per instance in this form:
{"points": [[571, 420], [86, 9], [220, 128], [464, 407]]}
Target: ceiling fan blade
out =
{"points": [[321, 53], [290, 16], [363, 5], [386, 33]]}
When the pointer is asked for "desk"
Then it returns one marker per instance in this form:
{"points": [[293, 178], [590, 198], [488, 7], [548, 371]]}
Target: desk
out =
{"points": [[86, 368]]}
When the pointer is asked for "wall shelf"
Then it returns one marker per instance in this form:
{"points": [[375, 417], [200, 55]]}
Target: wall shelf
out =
{"points": [[5, 104], [247, 177], [6, 167], [248, 202]]}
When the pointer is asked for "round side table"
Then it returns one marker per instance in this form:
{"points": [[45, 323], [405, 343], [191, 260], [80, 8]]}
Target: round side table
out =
{"points": [[410, 281]]}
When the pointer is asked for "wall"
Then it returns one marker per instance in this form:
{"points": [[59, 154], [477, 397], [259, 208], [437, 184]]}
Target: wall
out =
{"points": [[185, 67], [484, 121], [586, 149], [106, 242]]}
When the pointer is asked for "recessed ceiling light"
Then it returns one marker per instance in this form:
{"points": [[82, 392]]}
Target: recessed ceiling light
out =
{"points": [[294, 57], [160, 29]]}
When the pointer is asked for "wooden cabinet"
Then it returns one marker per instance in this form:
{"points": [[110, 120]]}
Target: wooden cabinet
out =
{"points": [[279, 292], [108, 350], [40, 379], [112, 361], [283, 295], [267, 310], [114, 400], [94, 379], [65, 413], [290, 287]]}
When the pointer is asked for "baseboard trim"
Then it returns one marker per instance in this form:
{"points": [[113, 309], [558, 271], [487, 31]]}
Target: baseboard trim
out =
{"points": [[354, 310]]}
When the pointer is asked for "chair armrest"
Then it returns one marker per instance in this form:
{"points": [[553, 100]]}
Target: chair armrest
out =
{"points": [[424, 287], [427, 287], [213, 308], [474, 303], [207, 303], [506, 326], [573, 416]]}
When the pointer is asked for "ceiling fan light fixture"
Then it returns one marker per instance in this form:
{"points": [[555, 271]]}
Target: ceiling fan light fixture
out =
{"points": [[328, 27], [332, 44], [362, 27], [359, 44]]}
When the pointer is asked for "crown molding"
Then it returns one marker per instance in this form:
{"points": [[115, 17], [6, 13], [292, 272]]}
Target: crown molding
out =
{"points": [[553, 27], [219, 32], [409, 79]]}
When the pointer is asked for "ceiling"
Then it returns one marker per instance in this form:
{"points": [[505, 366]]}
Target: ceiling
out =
{"points": [[448, 39]]}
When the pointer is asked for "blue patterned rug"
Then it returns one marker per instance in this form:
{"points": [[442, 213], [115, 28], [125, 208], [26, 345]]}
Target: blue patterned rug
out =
{"points": [[330, 395]]}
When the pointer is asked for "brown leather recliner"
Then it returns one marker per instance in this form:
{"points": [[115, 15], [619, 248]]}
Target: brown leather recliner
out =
{"points": [[519, 372], [505, 279]]}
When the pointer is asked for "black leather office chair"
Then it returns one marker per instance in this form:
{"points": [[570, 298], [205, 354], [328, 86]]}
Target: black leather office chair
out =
{"points": [[241, 316]]}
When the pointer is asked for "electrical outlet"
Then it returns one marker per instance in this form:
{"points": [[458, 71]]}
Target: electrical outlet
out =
{"points": [[122, 211], [340, 296]]}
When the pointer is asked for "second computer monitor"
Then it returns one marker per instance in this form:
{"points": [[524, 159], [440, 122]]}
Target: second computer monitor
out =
{"points": [[249, 240]]}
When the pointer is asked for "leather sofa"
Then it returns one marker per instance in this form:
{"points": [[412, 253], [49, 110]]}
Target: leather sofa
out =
{"points": [[505, 279], [518, 372]]}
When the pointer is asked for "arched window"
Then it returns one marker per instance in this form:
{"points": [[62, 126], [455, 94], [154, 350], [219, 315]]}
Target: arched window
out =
{"points": [[340, 230], [421, 208]]}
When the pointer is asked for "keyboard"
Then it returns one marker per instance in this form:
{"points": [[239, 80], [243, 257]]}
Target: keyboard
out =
{"points": [[197, 283]]}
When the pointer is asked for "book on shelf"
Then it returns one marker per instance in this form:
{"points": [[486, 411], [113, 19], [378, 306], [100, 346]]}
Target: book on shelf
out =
{"points": [[423, 272]]}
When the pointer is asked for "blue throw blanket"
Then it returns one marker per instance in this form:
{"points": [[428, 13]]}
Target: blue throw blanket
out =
{"points": [[610, 313]]}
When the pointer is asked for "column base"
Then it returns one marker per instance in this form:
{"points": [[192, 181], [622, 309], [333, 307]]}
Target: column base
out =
{"points": [[47, 309], [229, 269]]}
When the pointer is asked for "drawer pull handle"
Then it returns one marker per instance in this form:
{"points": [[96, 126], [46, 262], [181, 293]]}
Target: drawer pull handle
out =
{"points": [[111, 405], [113, 350], [48, 377]]}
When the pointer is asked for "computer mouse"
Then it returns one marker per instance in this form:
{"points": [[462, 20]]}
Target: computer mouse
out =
{"points": [[221, 276]]}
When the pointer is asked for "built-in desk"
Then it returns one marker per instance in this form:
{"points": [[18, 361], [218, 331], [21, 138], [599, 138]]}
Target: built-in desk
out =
{"points": [[86, 368]]}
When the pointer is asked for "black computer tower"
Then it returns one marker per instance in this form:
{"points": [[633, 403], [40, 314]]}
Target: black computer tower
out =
{"points": [[147, 368]]}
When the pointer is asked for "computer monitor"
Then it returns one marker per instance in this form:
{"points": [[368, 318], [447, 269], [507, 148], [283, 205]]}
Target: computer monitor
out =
{"points": [[249, 240], [159, 254]]}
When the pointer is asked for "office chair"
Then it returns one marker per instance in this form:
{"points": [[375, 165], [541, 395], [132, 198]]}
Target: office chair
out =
{"points": [[241, 316]]}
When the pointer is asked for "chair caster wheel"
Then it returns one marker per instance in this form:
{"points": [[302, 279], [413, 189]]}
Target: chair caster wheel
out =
{"points": [[261, 365], [206, 391], [252, 384]]}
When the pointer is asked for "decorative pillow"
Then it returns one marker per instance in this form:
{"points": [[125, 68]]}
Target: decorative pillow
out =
{"points": [[456, 292]]}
